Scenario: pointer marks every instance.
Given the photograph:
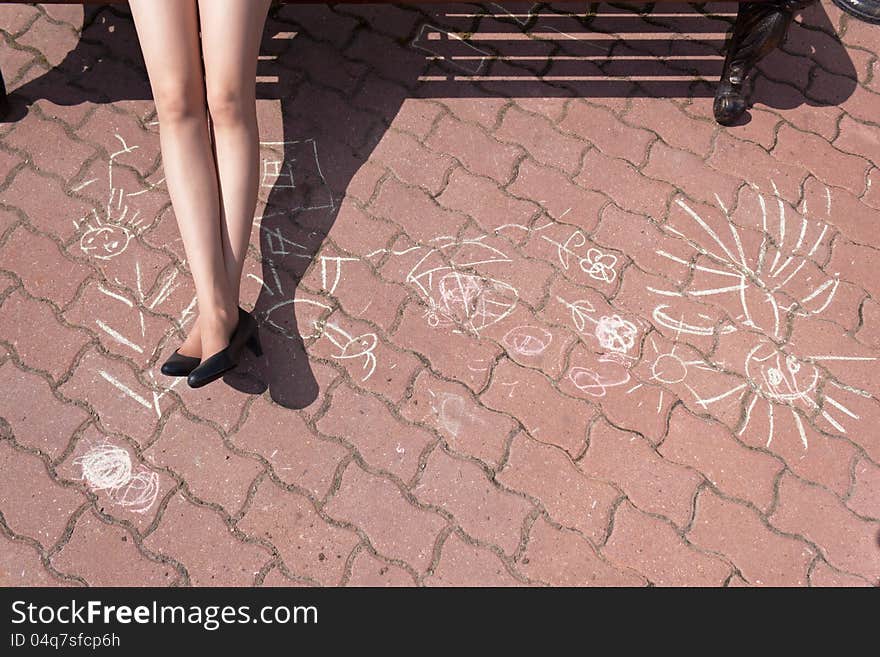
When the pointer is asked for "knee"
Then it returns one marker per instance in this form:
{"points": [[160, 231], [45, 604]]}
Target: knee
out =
{"points": [[179, 101], [229, 106]]}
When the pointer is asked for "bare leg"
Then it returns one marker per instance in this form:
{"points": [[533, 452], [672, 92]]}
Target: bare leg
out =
{"points": [[231, 34], [169, 37]]}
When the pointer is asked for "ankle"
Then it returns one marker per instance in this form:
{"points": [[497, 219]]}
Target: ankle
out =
{"points": [[218, 314]]}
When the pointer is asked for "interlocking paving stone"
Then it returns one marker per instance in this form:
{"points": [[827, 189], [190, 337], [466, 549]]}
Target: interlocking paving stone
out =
{"points": [[516, 332]]}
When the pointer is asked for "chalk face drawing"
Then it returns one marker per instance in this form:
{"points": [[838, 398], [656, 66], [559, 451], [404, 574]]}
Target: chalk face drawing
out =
{"points": [[106, 467], [786, 387], [108, 233]]}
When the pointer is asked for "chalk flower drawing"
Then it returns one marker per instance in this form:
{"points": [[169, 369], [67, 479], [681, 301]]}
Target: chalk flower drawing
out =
{"points": [[596, 264], [611, 331]]}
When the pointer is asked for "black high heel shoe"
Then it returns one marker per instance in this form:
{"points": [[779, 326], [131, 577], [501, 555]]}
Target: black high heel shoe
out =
{"points": [[215, 366], [179, 365]]}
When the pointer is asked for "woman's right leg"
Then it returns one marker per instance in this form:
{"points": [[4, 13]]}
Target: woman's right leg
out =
{"points": [[168, 31]]}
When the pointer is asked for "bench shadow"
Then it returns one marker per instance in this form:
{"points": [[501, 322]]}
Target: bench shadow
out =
{"points": [[341, 77]]}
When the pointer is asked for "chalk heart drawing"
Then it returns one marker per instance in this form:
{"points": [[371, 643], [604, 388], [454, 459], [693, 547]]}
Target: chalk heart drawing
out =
{"points": [[457, 290], [106, 467], [527, 340]]}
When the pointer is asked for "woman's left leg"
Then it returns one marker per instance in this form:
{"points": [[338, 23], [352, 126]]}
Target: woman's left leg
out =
{"points": [[231, 34]]}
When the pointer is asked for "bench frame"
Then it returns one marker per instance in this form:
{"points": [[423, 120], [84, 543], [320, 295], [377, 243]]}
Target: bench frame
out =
{"points": [[759, 28]]}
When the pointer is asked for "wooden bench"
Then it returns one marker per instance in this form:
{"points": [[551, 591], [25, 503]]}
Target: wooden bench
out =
{"points": [[759, 27]]}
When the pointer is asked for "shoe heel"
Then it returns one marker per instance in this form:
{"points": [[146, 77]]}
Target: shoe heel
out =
{"points": [[253, 343]]}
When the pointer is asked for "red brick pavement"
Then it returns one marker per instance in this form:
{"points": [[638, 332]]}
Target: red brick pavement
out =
{"points": [[518, 331]]}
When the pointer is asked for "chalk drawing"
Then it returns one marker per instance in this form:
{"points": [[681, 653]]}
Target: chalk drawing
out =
{"points": [[106, 467], [527, 340], [277, 244], [337, 263], [613, 372], [350, 347], [522, 19], [756, 278], [611, 331], [790, 387], [596, 264], [296, 175], [615, 333], [290, 305], [108, 233], [168, 286], [662, 317], [450, 410], [668, 367], [277, 173], [429, 39], [454, 294]]}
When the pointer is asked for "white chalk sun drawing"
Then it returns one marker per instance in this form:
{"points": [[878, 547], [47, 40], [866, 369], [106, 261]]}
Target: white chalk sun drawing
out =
{"points": [[789, 388], [669, 368], [778, 384]]}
